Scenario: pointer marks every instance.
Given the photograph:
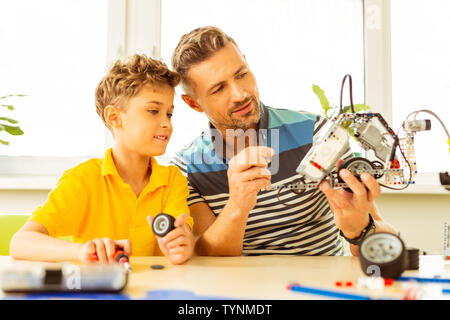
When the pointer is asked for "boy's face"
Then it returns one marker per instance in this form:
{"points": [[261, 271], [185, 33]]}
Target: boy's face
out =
{"points": [[225, 89], [145, 124]]}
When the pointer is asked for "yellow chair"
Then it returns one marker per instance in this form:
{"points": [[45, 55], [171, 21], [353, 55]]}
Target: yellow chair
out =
{"points": [[9, 225]]}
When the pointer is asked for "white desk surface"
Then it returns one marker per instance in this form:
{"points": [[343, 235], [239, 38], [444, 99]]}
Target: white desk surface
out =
{"points": [[260, 277]]}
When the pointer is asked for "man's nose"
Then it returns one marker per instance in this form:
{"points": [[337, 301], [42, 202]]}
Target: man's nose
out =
{"points": [[237, 92]]}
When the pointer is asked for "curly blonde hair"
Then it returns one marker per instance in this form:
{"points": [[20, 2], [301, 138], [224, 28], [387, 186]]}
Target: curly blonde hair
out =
{"points": [[197, 46], [125, 78]]}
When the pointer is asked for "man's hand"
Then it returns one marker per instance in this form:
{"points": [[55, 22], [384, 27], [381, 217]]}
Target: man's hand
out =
{"points": [[178, 245], [102, 250], [351, 210], [247, 175]]}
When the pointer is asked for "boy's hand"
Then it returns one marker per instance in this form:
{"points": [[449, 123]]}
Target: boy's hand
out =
{"points": [[178, 244], [103, 249]]}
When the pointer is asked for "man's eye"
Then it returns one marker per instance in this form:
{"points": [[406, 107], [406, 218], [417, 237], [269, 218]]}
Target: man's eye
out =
{"points": [[218, 90]]}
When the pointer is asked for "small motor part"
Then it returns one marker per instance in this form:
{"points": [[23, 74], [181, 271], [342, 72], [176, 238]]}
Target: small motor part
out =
{"points": [[162, 224], [444, 177], [416, 125], [413, 259], [354, 165], [383, 254]]}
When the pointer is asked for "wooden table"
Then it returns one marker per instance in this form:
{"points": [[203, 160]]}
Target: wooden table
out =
{"points": [[262, 277]]}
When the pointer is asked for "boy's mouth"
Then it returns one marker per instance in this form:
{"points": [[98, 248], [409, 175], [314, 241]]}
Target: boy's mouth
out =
{"points": [[162, 138]]}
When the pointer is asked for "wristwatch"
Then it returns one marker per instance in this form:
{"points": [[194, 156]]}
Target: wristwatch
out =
{"points": [[367, 231]]}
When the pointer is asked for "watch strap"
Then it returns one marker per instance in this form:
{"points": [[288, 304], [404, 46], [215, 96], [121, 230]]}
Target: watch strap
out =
{"points": [[357, 241]]}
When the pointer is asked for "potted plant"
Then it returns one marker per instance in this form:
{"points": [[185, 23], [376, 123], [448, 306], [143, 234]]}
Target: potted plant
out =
{"points": [[7, 124]]}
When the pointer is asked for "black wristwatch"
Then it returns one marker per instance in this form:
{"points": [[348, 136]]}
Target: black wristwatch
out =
{"points": [[367, 231]]}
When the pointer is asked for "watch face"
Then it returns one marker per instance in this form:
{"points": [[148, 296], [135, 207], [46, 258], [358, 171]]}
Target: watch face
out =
{"points": [[382, 248]]}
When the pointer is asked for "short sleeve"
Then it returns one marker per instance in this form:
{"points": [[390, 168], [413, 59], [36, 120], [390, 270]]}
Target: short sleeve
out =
{"points": [[194, 195], [63, 211], [177, 193]]}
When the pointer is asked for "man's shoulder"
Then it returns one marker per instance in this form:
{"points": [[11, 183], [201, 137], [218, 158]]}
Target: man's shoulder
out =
{"points": [[281, 116]]}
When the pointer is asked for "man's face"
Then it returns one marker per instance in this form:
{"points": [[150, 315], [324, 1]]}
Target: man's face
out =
{"points": [[225, 89], [146, 124]]}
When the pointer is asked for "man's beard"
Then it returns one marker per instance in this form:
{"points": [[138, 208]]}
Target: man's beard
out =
{"points": [[245, 123]]}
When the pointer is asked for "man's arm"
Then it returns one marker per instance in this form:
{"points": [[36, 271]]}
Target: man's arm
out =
{"points": [[351, 210], [223, 236], [380, 226]]}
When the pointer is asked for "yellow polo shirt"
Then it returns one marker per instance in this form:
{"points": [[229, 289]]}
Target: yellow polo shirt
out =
{"points": [[92, 201]]}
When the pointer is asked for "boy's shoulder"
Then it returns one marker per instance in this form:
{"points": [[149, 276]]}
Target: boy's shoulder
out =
{"points": [[89, 168]]}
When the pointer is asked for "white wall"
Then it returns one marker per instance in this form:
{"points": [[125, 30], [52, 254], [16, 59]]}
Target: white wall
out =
{"points": [[419, 217]]}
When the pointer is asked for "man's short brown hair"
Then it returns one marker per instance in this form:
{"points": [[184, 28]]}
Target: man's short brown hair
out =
{"points": [[125, 78], [197, 46]]}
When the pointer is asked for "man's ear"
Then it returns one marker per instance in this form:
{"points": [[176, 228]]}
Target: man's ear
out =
{"points": [[112, 117], [191, 102]]}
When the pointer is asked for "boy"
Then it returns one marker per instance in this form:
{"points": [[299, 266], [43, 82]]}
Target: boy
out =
{"points": [[106, 204]]}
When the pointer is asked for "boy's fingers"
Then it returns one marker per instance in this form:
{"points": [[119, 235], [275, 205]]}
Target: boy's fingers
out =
{"points": [[175, 233], [150, 220], [177, 242], [100, 250], [177, 250], [181, 220], [125, 244], [110, 249]]}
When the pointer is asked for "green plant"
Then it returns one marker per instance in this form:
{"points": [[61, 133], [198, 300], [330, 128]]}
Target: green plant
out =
{"points": [[5, 121], [330, 111]]}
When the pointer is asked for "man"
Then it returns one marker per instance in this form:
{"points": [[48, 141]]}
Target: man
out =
{"points": [[233, 215]]}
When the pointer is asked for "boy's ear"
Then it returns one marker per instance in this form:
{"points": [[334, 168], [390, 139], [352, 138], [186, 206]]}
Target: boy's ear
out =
{"points": [[191, 102], [111, 115]]}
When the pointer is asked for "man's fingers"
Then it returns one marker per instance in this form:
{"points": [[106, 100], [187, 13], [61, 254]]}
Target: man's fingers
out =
{"points": [[333, 196], [251, 156], [254, 173], [358, 189], [338, 164], [372, 185]]}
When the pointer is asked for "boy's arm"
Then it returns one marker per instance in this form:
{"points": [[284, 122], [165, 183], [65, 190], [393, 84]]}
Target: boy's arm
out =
{"points": [[49, 249], [44, 248]]}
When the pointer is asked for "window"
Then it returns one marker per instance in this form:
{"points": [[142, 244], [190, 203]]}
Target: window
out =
{"points": [[290, 45], [421, 74], [54, 52]]}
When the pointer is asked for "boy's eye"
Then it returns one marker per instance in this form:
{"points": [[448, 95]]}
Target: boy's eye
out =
{"points": [[242, 75]]}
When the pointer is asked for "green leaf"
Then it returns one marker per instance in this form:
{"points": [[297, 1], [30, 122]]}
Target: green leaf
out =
{"points": [[323, 99], [6, 143], [10, 107], [13, 95], [357, 107], [15, 131], [9, 120], [361, 107]]}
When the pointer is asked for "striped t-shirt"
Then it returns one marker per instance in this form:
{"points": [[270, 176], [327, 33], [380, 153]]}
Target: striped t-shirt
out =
{"points": [[307, 228]]}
